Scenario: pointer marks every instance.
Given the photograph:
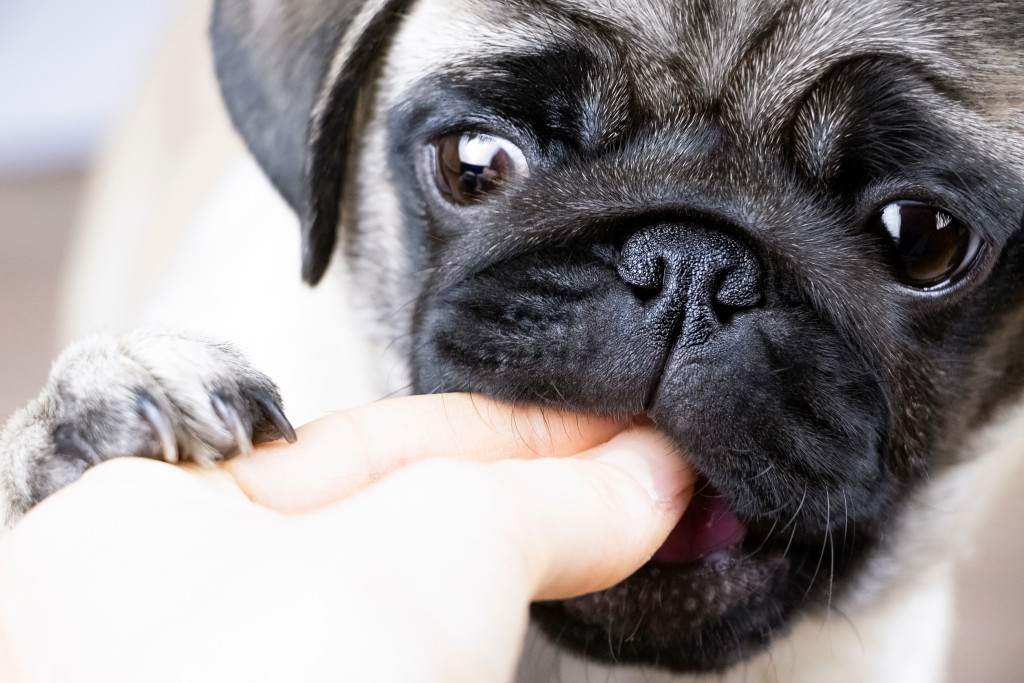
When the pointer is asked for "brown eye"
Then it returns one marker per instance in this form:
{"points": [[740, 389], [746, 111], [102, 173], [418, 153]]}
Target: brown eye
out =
{"points": [[930, 247], [472, 167]]}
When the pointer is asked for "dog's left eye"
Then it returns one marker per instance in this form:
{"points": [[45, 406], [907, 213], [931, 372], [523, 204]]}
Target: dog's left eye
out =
{"points": [[930, 247], [472, 167]]}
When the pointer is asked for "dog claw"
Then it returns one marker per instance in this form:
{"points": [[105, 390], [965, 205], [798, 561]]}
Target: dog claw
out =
{"points": [[233, 421], [162, 426], [273, 412]]}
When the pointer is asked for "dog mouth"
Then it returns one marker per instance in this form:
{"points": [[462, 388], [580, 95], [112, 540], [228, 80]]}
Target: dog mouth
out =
{"points": [[706, 599], [709, 529]]}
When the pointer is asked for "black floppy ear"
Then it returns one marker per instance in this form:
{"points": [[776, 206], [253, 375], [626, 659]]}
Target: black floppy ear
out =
{"points": [[291, 72]]}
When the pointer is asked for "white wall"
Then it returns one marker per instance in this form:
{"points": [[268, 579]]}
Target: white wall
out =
{"points": [[68, 68]]}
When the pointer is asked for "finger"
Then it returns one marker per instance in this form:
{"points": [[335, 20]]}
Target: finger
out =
{"points": [[344, 452], [595, 521], [565, 526]]}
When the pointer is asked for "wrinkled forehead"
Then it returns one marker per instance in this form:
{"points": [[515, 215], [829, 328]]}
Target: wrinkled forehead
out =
{"points": [[743, 54]]}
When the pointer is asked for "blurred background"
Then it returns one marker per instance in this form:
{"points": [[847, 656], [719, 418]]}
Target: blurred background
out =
{"points": [[69, 70]]}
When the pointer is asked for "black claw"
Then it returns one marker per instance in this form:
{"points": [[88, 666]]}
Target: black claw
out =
{"points": [[69, 444], [272, 411], [233, 421], [162, 426]]}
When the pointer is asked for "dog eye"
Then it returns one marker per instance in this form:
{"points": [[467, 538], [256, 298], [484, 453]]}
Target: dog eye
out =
{"points": [[472, 167], [930, 247]]}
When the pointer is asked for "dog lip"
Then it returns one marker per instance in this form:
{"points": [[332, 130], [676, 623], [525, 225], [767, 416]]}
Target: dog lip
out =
{"points": [[708, 527]]}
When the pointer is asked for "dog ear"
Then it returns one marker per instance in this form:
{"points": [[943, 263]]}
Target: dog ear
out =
{"points": [[291, 72]]}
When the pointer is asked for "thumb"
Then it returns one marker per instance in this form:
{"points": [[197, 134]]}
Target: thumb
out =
{"points": [[594, 520], [564, 526]]}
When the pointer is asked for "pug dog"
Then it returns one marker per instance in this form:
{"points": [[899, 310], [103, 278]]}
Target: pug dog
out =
{"points": [[789, 233]]}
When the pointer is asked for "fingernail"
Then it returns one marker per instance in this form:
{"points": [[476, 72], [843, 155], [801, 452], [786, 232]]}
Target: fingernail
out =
{"points": [[650, 459]]}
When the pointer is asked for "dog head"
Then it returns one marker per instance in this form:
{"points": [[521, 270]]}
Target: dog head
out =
{"points": [[789, 233]]}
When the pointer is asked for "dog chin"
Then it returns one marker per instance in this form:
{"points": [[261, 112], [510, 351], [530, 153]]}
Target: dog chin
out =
{"points": [[706, 585], [718, 590]]}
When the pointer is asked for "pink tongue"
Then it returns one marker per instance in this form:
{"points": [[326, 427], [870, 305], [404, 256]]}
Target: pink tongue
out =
{"points": [[707, 526]]}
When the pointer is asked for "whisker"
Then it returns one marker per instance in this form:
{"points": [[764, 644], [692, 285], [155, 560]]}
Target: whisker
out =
{"points": [[793, 522], [824, 545]]}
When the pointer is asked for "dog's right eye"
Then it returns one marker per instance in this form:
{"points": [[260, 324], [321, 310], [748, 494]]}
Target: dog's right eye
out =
{"points": [[472, 167]]}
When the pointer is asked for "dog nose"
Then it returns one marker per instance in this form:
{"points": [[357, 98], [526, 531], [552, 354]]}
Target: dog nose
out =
{"points": [[700, 277]]}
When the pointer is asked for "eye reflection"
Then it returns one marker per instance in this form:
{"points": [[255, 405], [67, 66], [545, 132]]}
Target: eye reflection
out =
{"points": [[472, 167]]}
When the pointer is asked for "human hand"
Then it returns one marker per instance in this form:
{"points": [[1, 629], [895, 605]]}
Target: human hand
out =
{"points": [[398, 541]]}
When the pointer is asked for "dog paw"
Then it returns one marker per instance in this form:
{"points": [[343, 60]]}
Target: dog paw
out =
{"points": [[152, 394]]}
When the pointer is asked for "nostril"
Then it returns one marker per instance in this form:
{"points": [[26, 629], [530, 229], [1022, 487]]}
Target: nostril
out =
{"points": [[645, 294], [643, 269], [724, 313], [734, 295], [738, 287]]}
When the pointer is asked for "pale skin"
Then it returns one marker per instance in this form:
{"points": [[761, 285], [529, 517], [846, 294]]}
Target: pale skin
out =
{"points": [[394, 542]]}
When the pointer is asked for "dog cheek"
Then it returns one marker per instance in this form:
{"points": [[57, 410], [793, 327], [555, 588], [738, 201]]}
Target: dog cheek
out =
{"points": [[512, 336]]}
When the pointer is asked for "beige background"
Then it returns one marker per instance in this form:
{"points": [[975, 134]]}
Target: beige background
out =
{"points": [[37, 212]]}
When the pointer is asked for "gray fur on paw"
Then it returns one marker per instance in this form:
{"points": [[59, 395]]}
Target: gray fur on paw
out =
{"points": [[152, 394]]}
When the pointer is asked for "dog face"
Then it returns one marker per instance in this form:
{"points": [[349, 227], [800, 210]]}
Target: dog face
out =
{"points": [[789, 234]]}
